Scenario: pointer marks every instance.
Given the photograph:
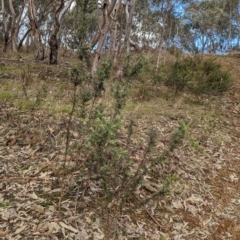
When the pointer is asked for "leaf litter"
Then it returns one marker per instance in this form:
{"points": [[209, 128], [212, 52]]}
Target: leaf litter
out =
{"points": [[202, 204]]}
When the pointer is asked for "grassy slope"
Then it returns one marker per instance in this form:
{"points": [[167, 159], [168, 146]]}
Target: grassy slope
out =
{"points": [[34, 100]]}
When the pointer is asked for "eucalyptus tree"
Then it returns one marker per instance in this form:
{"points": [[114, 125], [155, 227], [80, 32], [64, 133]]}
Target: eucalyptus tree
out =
{"points": [[60, 9], [38, 12], [122, 37], [17, 17], [107, 8], [163, 12], [35, 29], [129, 19], [232, 11], [100, 36], [145, 24], [202, 20], [5, 30]]}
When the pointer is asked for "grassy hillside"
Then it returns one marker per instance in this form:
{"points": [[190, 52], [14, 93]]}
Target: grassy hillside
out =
{"points": [[153, 156]]}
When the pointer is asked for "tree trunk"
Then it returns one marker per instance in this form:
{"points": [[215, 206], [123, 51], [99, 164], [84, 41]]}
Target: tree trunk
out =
{"points": [[160, 45], [53, 49], [102, 39], [35, 29], [134, 45], [117, 50], [98, 34], [42, 15], [116, 54], [5, 30], [129, 24], [127, 41], [230, 29], [113, 30], [63, 11], [13, 27], [23, 38], [53, 42]]}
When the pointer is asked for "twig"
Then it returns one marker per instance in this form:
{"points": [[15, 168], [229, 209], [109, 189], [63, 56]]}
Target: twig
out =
{"points": [[41, 168], [24, 179], [150, 215], [153, 218]]}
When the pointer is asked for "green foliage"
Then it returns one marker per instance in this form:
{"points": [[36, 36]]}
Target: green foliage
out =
{"points": [[24, 89], [84, 19], [25, 104], [84, 54], [103, 73], [108, 161], [5, 95], [105, 144], [79, 74], [138, 70], [194, 144], [102, 130], [138, 66], [75, 76], [41, 95], [212, 16], [179, 76], [151, 140], [178, 135], [130, 126], [212, 79], [127, 66], [199, 76], [80, 23], [4, 204], [171, 178], [143, 169], [133, 67], [104, 70], [119, 92], [85, 95]]}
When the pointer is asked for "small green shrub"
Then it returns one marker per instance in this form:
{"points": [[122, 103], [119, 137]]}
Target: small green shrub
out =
{"points": [[138, 66], [4, 96], [175, 51], [179, 76], [119, 92], [178, 135], [4, 204], [103, 74], [133, 67], [25, 105], [213, 79], [139, 73], [198, 75], [106, 146]]}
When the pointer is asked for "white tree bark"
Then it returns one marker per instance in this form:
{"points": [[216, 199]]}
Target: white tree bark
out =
{"points": [[64, 10], [35, 29], [129, 16], [15, 24], [53, 42]]}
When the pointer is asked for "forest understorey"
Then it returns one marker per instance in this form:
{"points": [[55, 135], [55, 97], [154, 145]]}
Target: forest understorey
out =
{"points": [[203, 199]]}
